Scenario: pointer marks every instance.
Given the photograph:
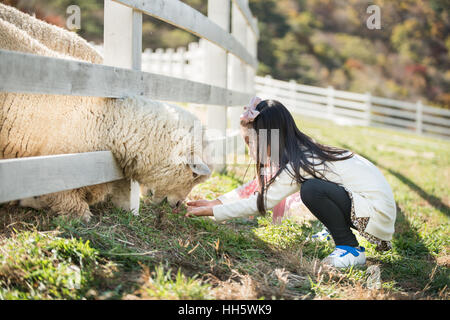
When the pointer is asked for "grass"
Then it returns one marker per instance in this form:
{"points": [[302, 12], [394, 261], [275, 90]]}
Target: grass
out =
{"points": [[160, 254]]}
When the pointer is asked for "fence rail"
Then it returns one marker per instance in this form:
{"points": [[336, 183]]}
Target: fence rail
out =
{"points": [[121, 76], [27, 73], [183, 16], [35, 176]]}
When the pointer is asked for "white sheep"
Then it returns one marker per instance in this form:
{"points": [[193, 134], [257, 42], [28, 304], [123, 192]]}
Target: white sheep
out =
{"points": [[54, 38], [153, 142]]}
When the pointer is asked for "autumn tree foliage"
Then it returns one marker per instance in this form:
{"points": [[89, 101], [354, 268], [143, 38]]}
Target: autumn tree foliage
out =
{"points": [[319, 42], [327, 42]]}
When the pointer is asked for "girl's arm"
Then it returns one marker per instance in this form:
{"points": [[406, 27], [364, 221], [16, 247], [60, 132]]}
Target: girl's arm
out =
{"points": [[282, 187], [242, 192], [203, 207]]}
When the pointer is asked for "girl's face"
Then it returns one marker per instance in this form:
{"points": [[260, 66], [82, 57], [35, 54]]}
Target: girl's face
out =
{"points": [[249, 136]]}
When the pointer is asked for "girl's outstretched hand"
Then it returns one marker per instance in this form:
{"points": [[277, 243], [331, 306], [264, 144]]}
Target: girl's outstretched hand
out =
{"points": [[199, 211], [203, 203]]}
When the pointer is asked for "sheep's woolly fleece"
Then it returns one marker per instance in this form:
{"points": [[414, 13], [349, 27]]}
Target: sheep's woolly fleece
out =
{"points": [[152, 141]]}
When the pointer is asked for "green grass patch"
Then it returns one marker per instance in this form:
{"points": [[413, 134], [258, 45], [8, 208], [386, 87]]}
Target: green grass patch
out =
{"points": [[37, 265]]}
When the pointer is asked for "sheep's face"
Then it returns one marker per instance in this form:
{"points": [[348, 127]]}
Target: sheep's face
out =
{"points": [[176, 185], [184, 165], [34, 202]]}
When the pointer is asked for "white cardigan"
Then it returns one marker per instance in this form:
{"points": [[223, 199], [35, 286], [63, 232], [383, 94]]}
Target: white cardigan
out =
{"points": [[372, 195]]}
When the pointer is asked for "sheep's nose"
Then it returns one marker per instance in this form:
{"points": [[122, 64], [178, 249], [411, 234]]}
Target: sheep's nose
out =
{"points": [[179, 202]]}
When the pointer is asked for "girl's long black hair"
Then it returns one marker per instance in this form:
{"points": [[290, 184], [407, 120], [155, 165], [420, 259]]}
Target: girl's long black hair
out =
{"points": [[295, 148]]}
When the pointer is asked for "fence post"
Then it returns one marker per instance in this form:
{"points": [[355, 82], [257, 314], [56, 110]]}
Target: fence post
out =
{"points": [[267, 83], [368, 111], [181, 61], [170, 61], [293, 93], [238, 67], [193, 61], [201, 58], [158, 60], [147, 57], [330, 102], [419, 113], [249, 69], [217, 74], [251, 42], [122, 40]]}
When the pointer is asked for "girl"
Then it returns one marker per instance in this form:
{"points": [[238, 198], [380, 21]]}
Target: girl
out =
{"points": [[342, 189]]}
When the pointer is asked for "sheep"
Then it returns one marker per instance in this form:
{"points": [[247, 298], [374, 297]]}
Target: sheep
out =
{"points": [[153, 142], [53, 37]]}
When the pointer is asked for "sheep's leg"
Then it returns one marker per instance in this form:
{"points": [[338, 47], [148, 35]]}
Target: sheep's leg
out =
{"points": [[68, 203], [97, 193]]}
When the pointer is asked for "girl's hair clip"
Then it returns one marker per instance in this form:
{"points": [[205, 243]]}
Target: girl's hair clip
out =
{"points": [[250, 112]]}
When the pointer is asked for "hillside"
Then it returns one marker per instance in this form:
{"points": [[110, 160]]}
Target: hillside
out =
{"points": [[319, 42], [327, 42]]}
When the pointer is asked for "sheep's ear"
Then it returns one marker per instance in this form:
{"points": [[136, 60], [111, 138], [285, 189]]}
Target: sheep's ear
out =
{"points": [[200, 168]]}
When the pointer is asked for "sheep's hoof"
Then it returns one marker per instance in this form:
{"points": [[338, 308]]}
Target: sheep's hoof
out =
{"points": [[86, 216]]}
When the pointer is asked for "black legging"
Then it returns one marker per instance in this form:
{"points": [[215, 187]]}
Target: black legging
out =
{"points": [[331, 204]]}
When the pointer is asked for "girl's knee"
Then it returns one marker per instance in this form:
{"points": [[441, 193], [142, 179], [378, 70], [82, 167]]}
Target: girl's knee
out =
{"points": [[309, 190]]}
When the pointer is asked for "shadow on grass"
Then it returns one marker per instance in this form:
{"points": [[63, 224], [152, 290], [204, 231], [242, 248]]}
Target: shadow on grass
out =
{"points": [[431, 199], [417, 269], [434, 201]]}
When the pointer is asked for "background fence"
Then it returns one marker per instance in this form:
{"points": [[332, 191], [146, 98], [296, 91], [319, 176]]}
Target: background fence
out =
{"points": [[182, 62], [357, 109], [122, 76]]}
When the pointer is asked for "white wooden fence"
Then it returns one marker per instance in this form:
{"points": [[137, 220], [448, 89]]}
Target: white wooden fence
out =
{"points": [[182, 62], [356, 108], [120, 76], [187, 63]]}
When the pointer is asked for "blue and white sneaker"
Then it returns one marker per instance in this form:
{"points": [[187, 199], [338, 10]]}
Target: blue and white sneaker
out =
{"points": [[323, 235], [346, 256]]}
